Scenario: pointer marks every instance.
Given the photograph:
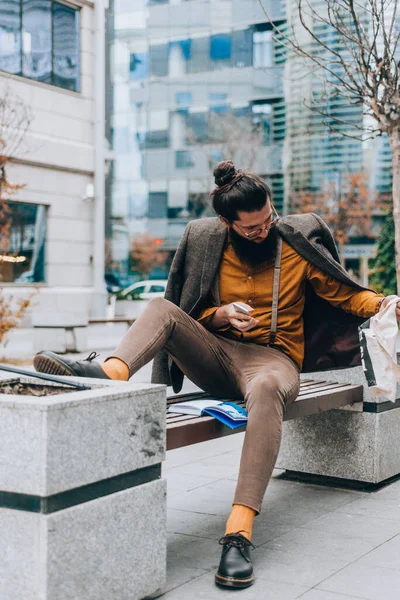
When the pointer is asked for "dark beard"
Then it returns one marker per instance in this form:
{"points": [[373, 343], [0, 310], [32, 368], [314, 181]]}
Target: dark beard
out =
{"points": [[252, 253]]}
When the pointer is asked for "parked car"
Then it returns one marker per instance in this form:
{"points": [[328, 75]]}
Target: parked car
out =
{"points": [[144, 290]]}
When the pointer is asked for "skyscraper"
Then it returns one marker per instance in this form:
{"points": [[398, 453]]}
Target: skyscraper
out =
{"points": [[194, 82]]}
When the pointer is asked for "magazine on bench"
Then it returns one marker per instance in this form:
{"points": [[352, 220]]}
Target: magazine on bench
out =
{"points": [[229, 413]]}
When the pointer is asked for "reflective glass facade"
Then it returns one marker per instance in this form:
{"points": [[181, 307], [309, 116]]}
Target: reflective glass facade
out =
{"points": [[39, 39], [194, 82], [323, 147], [22, 243], [197, 81]]}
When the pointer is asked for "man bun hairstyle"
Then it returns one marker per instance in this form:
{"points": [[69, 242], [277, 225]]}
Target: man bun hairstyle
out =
{"points": [[224, 172], [237, 190]]}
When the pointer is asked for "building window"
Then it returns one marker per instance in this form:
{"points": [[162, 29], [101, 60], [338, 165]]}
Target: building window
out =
{"points": [[138, 65], [179, 56], [200, 55], [242, 48], [183, 99], [220, 50], [22, 243], [196, 128], [159, 60], [183, 159], [262, 49], [158, 205], [262, 114], [39, 39]]}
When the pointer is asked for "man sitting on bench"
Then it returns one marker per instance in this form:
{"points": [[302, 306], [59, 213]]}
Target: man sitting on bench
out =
{"points": [[302, 311]]}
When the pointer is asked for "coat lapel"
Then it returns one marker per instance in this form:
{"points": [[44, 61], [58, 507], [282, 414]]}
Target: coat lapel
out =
{"points": [[212, 258]]}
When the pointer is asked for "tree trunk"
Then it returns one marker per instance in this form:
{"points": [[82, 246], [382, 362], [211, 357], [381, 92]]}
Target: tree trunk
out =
{"points": [[394, 140]]}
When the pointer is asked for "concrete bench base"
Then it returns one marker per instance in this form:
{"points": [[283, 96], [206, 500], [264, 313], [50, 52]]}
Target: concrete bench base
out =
{"points": [[82, 502], [358, 443]]}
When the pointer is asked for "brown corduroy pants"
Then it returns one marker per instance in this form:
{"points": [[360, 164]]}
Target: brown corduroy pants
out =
{"points": [[265, 377]]}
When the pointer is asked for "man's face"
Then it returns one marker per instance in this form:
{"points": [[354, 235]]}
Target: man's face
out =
{"points": [[254, 226], [252, 235]]}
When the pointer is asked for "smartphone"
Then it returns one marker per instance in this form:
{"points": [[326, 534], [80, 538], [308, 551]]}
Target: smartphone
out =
{"points": [[241, 308]]}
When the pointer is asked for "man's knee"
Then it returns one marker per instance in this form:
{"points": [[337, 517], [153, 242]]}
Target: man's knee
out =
{"points": [[162, 306], [268, 390]]}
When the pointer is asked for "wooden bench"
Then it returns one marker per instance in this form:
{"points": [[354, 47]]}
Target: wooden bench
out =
{"points": [[314, 397]]}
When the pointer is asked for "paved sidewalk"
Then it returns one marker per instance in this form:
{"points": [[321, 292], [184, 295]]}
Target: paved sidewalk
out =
{"points": [[312, 542]]}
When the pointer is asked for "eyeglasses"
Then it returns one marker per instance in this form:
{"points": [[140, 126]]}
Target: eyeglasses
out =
{"points": [[266, 227]]}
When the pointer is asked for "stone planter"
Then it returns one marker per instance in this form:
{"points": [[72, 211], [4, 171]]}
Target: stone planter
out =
{"points": [[357, 444], [129, 308], [82, 502]]}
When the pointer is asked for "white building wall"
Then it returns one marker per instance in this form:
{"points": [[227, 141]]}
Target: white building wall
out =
{"points": [[56, 166]]}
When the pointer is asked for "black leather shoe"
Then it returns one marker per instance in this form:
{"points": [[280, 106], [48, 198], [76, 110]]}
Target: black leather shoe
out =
{"points": [[235, 569], [54, 364]]}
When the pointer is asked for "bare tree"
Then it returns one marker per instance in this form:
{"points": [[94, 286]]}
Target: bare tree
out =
{"points": [[230, 137], [349, 212], [15, 119], [361, 65]]}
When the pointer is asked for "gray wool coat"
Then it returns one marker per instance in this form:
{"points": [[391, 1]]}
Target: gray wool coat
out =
{"points": [[330, 334]]}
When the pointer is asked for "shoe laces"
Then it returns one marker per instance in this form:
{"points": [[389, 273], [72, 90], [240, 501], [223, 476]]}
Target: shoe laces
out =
{"points": [[236, 540], [92, 356]]}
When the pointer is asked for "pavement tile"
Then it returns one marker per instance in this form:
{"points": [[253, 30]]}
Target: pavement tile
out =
{"points": [[204, 587], [324, 595], [214, 498], [193, 552], [178, 483], [294, 567], [325, 545], [221, 466], [372, 529], [369, 582], [385, 555], [375, 506], [204, 450], [177, 577], [195, 524]]}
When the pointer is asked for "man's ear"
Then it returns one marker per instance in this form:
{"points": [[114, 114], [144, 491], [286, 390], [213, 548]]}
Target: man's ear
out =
{"points": [[224, 221]]}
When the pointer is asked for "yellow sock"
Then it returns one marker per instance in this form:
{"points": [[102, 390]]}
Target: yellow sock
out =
{"points": [[116, 369], [241, 519]]}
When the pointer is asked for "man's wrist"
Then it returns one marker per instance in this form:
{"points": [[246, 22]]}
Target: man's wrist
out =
{"points": [[221, 317]]}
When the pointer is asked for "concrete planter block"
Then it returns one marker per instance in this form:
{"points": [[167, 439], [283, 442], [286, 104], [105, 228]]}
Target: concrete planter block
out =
{"points": [[351, 443], [82, 502]]}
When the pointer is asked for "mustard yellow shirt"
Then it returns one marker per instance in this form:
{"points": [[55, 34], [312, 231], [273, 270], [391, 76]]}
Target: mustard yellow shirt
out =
{"points": [[239, 282]]}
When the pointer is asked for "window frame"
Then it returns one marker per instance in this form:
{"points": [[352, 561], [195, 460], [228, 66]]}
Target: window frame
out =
{"points": [[77, 7]]}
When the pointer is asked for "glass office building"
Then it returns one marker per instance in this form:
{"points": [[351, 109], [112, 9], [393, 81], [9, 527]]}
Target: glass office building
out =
{"points": [[194, 82], [322, 147], [197, 81]]}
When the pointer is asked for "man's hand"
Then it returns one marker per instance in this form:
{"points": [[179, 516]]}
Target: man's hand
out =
{"points": [[229, 314], [386, 301]]}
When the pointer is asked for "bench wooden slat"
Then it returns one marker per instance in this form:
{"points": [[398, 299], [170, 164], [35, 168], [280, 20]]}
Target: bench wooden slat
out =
{"points": [[315, 397]]}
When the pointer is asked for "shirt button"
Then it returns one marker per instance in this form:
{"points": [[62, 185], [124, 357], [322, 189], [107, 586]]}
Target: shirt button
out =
{"points": [[249, 301]]}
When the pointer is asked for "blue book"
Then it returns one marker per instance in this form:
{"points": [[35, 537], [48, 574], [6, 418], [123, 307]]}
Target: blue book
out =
{"points": [[229, 413]]}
